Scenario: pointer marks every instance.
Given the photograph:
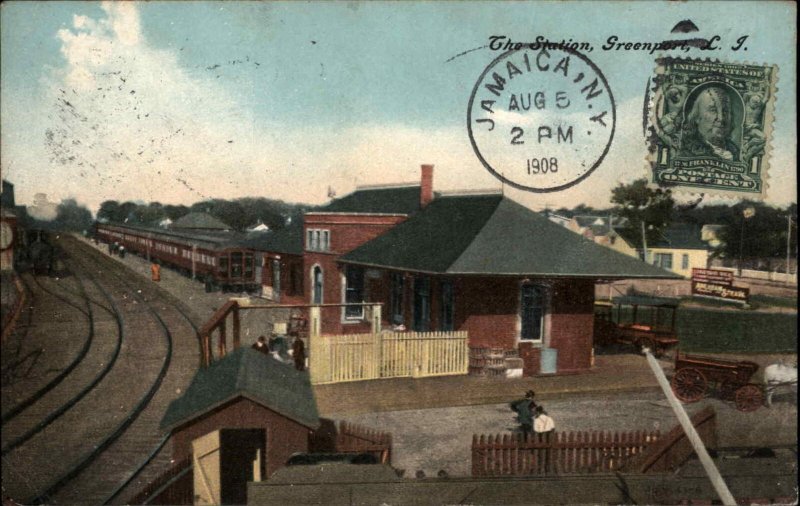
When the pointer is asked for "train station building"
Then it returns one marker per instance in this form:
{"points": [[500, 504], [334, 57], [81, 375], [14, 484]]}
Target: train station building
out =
{"points": [[478, 262]]}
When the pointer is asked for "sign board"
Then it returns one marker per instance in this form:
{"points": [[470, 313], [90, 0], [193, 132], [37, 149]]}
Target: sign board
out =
{"points": [[727, 292], [716, 276]]}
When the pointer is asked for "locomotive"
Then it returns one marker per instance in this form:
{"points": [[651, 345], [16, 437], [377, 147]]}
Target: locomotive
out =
{"points": [[218, 259]]}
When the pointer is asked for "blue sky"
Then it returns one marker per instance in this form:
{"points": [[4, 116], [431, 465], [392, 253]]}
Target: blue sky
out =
{"points": [[178, 101]]}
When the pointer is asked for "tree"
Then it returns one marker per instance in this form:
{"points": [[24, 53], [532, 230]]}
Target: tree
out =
{"points": [[72, 217], [641, 204], [762, 235], [109, 211]]}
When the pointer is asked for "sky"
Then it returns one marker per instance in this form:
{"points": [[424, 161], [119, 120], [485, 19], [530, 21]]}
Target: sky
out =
{"points": [[181, 101]]}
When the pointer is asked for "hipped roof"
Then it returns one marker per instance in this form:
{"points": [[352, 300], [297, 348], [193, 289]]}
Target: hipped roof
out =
{"points": [[493, 235], [246, 373], [387, 200]]}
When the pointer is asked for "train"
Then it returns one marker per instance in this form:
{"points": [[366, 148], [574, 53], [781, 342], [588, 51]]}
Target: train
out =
{"points": [[218, 259]]}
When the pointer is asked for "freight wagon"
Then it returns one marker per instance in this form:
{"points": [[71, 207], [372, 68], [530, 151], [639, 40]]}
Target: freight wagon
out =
{"points": [[218, 259]]}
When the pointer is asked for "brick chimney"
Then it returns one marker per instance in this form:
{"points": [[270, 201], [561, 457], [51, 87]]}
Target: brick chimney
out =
{"points": [[426, 186]]}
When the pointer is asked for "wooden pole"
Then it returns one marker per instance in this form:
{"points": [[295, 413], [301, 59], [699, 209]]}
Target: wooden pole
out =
{"points": [[691, 433], [236, 327]]}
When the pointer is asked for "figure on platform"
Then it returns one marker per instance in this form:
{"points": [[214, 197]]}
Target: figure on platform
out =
{"points": [[122, 251], [542, 423], [261, 345], [524, 409], [299, 354], [155, 270]]}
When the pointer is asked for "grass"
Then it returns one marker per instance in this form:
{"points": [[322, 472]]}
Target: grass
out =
{"points": [[736, 332], [707, 331]]}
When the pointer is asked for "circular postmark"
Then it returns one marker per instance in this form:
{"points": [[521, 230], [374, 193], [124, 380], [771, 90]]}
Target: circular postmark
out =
{"points": [[541, 120]]}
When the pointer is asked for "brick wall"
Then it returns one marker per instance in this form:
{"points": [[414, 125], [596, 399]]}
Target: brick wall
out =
{"points": [[284, 436], [347, 232], [572, 323]]}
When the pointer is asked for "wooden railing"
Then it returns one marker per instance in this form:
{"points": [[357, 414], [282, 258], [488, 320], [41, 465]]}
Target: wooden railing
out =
{"points": [[352, 438], [557, 452], [674, 448], [355, 357], [173, 486]]}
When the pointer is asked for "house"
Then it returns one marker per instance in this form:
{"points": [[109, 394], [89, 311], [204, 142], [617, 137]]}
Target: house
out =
{"points": [[478, 262], [258, 227], [679, 248], [246, 390]]}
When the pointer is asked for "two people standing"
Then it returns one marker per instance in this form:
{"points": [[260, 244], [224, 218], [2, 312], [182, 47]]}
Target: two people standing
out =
{"points": [[531, 416]]}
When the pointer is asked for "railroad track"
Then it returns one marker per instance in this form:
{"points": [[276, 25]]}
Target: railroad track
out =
{"points": [[101, 456]]}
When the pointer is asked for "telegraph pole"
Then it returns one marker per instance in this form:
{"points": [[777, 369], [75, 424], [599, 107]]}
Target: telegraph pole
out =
{"points": [[788, 244]]}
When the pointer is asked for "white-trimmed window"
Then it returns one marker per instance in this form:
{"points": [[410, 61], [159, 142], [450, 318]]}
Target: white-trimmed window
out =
{"points": [[354, 292], [318, 239]]}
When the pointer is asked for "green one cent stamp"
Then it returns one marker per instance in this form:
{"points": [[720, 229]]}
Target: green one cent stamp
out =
{"points": [[711, 126]]}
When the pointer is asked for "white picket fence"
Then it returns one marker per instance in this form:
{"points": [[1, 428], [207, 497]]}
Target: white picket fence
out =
{"points": [[355, 357]]}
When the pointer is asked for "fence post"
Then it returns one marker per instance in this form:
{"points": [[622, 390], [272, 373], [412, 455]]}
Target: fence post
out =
{"points": [[236, 326], [319, 358], [223, 338]]}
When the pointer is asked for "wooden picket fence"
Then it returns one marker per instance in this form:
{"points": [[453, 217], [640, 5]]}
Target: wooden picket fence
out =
{"points": [[352, 438], [355, 357], [557, 453]]}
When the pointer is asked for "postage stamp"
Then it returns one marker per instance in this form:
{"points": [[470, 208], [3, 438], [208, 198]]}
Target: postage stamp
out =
{"points": [[712, 125], [541, 121]]}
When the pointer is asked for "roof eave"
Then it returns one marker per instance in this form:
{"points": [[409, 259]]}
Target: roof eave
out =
{"points": [[514, 274]]}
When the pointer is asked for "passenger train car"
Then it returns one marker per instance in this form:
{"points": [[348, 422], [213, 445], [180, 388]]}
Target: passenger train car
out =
{"points": [[216, 258]]}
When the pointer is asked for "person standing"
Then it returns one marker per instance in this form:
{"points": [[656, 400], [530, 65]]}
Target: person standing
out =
{"points": [[524, 409], [155, 270], [261, 345], [299, 354]]}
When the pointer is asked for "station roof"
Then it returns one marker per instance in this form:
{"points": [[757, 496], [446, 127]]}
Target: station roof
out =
{"points": [[247, 373], [394, 199], [493, 235], [288, 240], [209, 238]]}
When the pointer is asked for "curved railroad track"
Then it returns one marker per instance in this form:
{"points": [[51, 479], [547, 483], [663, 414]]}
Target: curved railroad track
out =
{"points": [[133, 375]]}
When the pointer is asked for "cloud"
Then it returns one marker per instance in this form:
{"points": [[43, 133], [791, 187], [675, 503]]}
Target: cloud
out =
{"points": [[124, 119]]}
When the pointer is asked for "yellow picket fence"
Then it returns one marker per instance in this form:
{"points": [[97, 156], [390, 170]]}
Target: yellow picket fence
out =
{"points": [[356, 357]]}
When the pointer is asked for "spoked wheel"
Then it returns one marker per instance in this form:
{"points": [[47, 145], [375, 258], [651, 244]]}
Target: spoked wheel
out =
{"points": [[749, 398], [689, 384]]}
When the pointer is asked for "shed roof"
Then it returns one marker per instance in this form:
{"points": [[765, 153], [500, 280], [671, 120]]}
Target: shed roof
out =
{"points": [[397, 199], [247, 373], [200, 220], [491, 234]]}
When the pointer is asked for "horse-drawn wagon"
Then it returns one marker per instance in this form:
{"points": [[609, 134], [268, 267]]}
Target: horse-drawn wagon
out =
{"points": [[695, 374], [644, 322]]}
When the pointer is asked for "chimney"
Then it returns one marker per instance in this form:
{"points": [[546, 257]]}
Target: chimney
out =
{"points": [[426, 186]]}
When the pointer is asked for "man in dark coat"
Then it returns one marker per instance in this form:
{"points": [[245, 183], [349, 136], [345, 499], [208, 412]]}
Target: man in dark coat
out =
{"points": [[299, 354], [524, 409], [261, 345]]}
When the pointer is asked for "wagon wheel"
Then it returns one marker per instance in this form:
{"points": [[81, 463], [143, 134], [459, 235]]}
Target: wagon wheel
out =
{"points": [[727, 391], [689, 384], [749, 398]]}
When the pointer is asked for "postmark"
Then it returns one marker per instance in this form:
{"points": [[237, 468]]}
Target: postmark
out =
{"points": [[711, 126], [541, 120]]}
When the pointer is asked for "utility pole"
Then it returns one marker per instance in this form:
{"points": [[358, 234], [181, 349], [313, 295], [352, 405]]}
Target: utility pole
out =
{"points": [[788, 244], [644, 243]]}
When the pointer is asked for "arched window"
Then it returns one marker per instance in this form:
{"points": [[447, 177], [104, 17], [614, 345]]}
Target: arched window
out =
{"points": [[316, 290]]}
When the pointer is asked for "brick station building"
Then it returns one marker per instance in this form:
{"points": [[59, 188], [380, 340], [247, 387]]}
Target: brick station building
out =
{"points": [[476, 262]]}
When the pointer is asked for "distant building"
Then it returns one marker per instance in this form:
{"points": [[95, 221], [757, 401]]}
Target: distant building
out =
{"points": [[557, 218], [599, 229], [678, 249], [200, 221], [258, 227]]}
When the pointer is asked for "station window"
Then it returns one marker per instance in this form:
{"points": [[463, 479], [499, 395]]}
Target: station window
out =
{"points": [[397, 293], [532, 312], [318, 240], [354, 292]]}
